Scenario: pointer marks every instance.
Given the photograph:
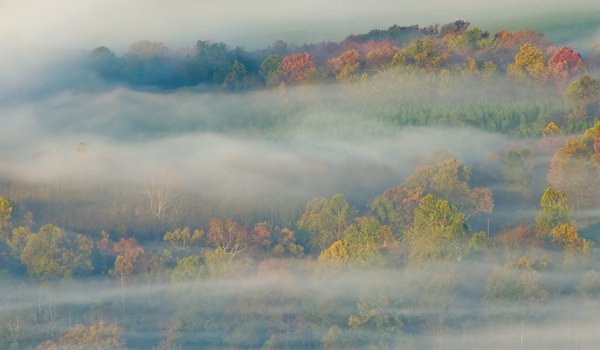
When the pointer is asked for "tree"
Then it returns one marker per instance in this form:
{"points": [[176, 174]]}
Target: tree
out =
{"points": [[529, 63], [183, 238], [583, 95], [130, 261], [105, 63], [573, 169], [345, 66], [228, 236], [98, 336], [325, 219], [378, 321], [237, 78], [449, 179], [551, 137], [5, 216], [362, 245], [489, 69], [219, 263], [50, 253], [285, 243], [396, 206], [591, 137], [514, 285], [518, 242], [147, 48], [564, 63], [554, 211], [552, 130], [422, 54], [270, 69], [187, 269], [380, 58], [161, 190], [438, 231], [567, 237], [367, 238], [336, 256], [211, 63], [298, 68], [517, 170], [385, 211]]}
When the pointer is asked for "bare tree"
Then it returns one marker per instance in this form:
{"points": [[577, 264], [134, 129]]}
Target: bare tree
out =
{"points": [[228, 235], [161, 192]]}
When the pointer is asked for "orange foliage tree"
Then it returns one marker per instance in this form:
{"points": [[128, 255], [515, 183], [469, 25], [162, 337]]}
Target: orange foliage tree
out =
{"points": [[345, 66], [298, 68]]}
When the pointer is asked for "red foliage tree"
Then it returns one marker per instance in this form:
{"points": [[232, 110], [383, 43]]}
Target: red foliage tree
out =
{"points": [[260, 235], [564, 63]]}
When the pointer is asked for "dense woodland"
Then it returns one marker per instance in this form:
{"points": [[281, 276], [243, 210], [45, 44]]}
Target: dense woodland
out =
{"points": [[456, 253]]}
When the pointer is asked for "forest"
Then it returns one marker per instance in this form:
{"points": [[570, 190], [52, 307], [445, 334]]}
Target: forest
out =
{"points": [[412, 187]]}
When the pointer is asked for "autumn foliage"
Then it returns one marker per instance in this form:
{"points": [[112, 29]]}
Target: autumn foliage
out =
{"points": [[345, 66], [564, 63], [299, 67]]}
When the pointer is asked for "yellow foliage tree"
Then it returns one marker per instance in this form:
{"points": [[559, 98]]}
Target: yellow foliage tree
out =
{"points": [[529, 63]]}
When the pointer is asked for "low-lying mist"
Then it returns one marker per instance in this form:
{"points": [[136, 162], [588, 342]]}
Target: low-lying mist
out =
{"points": [[252, 154], [438, 306]]}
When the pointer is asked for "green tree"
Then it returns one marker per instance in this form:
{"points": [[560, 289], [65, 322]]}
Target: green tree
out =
{"points": [[270, 69], [422, 54], [50, 253], [221, 264], [325, 219], [183, 239], [187, 269], [366, 239], [212, 62], [237, 78], [384, 209], [583, 95], [438, 231]]}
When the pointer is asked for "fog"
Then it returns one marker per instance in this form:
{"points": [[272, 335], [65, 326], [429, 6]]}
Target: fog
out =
{"points": [[90, 155], [257, 149], [68, 24], [242, 311]]}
